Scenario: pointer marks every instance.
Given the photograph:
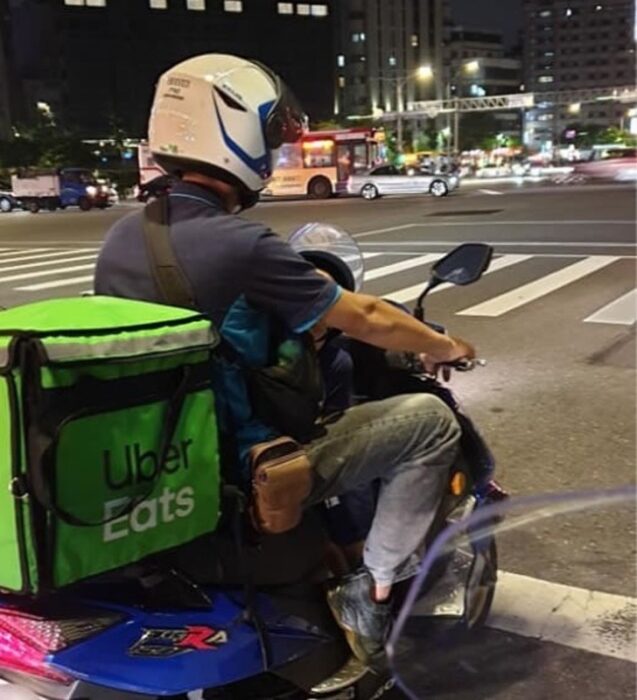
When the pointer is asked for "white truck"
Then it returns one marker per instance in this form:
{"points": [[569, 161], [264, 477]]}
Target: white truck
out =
{"points": [[68, 187]]}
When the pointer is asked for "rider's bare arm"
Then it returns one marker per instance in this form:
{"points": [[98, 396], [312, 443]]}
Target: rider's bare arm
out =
{"points": [[379, 323]]}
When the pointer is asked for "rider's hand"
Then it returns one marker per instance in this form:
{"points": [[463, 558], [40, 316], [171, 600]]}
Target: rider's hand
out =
{"points": [[432, 368], [461, 350]]}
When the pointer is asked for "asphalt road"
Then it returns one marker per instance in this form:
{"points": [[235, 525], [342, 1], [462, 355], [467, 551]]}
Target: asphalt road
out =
{"points": [[555, 318]]}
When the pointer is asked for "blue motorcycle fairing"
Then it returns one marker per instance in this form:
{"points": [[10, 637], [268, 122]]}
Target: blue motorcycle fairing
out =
{"points": [[168, 653]]}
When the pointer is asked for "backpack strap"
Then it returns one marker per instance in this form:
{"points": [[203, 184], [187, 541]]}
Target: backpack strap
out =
{"points": [[172, 283], [170, 279]]}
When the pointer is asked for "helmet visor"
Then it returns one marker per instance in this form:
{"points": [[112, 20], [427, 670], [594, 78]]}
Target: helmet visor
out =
{"points": [[285, 121]]}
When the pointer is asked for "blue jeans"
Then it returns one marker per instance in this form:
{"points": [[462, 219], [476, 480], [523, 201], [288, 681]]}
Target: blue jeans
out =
{"points": [[408, 443]]}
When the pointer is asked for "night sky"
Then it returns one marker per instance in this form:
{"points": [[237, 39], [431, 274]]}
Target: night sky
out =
{"points": [[503, 15]]}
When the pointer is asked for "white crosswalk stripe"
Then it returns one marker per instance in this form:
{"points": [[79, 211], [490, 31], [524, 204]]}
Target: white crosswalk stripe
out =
{"points": [[409, 293], [39, 256], [534, 290], [622, 311], [45, 263], [70, 270], [8, 253], [56, 284], [401, 266], [46, 273]]}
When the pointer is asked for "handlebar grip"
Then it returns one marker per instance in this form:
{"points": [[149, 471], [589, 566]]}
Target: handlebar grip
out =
{"points": [[466, 365]]}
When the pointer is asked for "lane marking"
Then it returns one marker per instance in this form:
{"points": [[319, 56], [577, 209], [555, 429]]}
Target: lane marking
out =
{"points": [[57, 283], [46, 273], [409, 293], [491, 192], [375, 232], [563, 222], [519, 244], [593, 621], [475, 224], [47, 262], [622, 311], [566, 256], [401, 266], [93, 245], [502, 304], [356, 258]]}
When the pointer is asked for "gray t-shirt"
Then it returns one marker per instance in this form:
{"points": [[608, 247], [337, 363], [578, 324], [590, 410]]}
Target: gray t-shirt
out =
{"points": [[228, 260]]}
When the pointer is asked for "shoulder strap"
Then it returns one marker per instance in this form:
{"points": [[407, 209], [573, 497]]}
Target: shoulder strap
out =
{"points": [[171, 281]]}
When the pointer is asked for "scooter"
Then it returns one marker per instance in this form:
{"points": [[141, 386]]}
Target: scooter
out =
{"points": [[239, 617]]}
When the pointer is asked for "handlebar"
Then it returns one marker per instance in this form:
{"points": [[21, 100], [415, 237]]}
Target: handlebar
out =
{"points": [[465, 365], [410, 362]]}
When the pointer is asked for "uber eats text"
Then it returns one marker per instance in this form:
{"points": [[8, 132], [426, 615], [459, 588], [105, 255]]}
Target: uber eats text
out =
{"points": [[138, 467]]}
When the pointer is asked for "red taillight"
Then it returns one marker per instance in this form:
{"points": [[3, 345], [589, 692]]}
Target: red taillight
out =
{"points": [[20, 651], [27, 640]]}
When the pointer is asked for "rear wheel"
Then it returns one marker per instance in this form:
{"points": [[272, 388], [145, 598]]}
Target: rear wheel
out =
{"points": [[51, 205], [33, 206], [370, 192], [319, 188], [439, 188], [85, 204]]}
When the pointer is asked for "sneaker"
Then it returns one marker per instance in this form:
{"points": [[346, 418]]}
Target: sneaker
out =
{"points": [[493, 492], [366, 623]]}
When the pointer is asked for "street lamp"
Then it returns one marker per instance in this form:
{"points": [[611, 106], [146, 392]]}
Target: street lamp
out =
{"points": [[468, 68], [422, 73], [425, 72]]}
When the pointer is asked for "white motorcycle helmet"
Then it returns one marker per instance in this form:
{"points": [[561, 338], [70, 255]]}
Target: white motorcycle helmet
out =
{"points": [[223, 116]]}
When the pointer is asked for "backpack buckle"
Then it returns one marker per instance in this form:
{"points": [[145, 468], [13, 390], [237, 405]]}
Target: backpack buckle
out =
{"points": [[18, 488]]}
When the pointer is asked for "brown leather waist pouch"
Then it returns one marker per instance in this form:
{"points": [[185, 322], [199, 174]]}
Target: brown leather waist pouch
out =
{"points": [[281, 481]]}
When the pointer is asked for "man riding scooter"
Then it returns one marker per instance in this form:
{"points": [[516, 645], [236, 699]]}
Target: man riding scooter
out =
{"points": [[215, 123]]}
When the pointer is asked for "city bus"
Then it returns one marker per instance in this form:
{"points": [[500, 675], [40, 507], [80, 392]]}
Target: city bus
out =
{"points": [[319, 165]]}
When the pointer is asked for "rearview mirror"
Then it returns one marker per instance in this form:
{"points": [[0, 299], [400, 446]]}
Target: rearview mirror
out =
{"points": [[463, 265]]}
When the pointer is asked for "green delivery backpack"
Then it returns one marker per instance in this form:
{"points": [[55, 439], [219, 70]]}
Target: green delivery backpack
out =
{"points": [[108, 437]]}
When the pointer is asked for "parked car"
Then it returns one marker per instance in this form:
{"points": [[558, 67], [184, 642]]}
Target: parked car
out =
{"points": [[388, 179], [7, 202]]}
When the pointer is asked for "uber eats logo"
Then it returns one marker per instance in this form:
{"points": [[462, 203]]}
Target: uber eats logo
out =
{"points": [[130, 469]]}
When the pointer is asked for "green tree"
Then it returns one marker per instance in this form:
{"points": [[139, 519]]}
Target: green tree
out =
{"points": [[425, 141], [391, 145], [43, 144], [615, 135], [581, 135]]}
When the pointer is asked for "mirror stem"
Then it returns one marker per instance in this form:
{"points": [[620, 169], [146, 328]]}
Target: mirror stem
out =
{"points": [[419, 310]]}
